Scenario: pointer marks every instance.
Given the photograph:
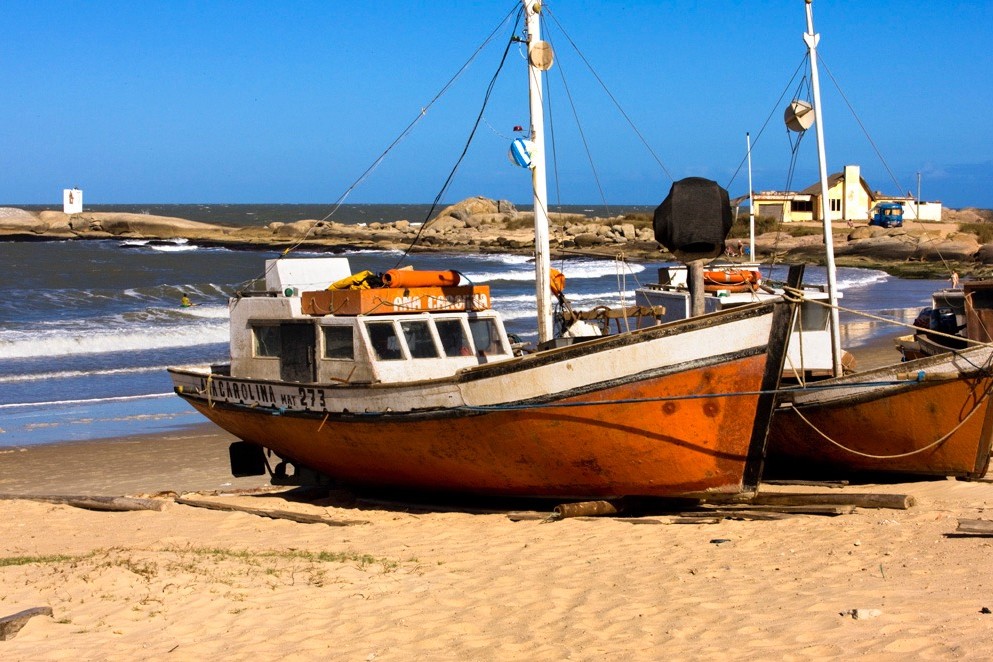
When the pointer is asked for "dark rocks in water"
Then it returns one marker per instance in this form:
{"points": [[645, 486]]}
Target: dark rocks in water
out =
{"points": [[694, 219]]}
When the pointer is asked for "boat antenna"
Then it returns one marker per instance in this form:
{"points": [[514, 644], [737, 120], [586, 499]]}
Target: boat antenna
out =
{"points": [[480, 118], [751, 201], [811, 39], [610, 94]]}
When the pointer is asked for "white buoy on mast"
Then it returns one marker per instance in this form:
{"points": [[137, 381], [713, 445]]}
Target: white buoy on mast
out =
{"points": [[539, 60]]}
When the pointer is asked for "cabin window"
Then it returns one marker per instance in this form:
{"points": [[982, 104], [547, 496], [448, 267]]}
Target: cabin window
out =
{"points": [[267, 340], [486, 337], [338, 342], [420, 342], [385, 342], [453, 338], [813, 317]]}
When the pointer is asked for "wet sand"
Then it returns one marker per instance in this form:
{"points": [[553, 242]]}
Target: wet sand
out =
{"points": [[192, 460]]}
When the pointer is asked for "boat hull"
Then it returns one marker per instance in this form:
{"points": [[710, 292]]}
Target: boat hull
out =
{"points": [[930, 416], [667, 428]]}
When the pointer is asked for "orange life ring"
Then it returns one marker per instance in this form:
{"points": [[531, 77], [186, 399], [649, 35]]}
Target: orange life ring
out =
{"points": [[732, 280]]}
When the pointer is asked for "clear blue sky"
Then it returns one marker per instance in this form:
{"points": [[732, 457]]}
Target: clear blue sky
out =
{"points": [[182, 101]]}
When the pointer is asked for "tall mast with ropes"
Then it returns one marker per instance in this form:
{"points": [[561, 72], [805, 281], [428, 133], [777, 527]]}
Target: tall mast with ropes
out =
{"points": [[539, 60], [811, 39]]}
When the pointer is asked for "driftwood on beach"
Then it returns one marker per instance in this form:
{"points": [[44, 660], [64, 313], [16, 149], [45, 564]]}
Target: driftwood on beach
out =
{"points": [[767, 505], [859, 500], [303, 518], [980, 527], [108, 503], [11, 625]]}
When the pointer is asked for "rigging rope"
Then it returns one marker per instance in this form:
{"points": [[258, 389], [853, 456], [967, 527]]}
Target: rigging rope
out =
{"points": [[609, 94], [895, 456], [765, 124], [554, 144], [465, 149], [396, 141], [582, 136], [801, 295], [758, 136], [882, 160]]}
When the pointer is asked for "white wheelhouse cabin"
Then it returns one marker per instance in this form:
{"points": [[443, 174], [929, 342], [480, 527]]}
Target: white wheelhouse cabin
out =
{"points": [[282, 334]]}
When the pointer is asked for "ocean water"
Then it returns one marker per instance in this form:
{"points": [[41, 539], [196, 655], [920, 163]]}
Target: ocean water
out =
{"points": [[87, 328]]}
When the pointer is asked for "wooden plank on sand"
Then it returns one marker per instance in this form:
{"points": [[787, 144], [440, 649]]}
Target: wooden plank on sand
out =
{"points": [[11, 625], [108, 503], [747, 511], [588, 509], [981, 527], [529, 516], [859, 500], [303, 518]]}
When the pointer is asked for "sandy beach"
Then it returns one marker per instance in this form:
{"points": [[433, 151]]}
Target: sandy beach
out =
{"points": [[406, 580]]}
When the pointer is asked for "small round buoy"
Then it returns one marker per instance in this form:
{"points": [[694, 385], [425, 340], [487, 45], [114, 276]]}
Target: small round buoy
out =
{"points": [[520, 153]]}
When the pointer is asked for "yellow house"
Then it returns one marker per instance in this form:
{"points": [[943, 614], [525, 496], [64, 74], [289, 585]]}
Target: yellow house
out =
{"points": [[850, 198]]}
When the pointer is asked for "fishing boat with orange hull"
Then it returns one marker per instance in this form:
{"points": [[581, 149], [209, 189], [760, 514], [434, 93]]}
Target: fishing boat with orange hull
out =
{"points": [[414, 383], [650, 412], [930, 416]]}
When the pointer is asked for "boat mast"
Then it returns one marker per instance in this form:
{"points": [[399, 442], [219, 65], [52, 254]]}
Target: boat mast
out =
{"points": [[917, 209], [542, 266], [751, 202], [811, 39]]}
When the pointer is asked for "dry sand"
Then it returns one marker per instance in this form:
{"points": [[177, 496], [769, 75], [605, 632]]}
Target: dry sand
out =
{"points": [[187, 583]]}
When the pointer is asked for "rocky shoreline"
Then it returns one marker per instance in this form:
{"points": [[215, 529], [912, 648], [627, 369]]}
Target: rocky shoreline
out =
{"points": [[482, 225]]}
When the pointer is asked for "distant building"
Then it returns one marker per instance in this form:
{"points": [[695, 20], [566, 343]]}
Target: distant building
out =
{"points": [[72, 201], [851, 199]]}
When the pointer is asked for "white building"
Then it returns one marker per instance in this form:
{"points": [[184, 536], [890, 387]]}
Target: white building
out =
{"points": [[851, 199], [72, 201]]}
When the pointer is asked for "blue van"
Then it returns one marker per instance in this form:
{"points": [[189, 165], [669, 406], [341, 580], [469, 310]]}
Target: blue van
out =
{"points": [[887, 215]]}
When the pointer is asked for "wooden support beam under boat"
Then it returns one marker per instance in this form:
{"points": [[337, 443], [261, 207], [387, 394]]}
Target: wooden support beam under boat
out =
{"points": [[861, 500]]}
